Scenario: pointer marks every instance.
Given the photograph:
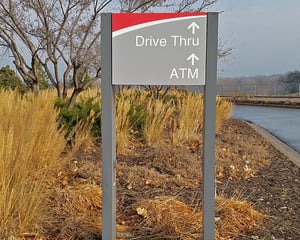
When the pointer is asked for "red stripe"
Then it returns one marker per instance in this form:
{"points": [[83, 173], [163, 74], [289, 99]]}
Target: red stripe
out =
{"points": [[124, 20]]}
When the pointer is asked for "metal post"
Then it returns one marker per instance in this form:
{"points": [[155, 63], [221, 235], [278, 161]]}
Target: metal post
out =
{"points": [[208, 195], [108, 135]]}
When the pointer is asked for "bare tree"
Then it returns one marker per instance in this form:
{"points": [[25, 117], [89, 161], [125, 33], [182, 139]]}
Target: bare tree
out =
{"points": [[139, 5], [13, 32], [63, 36], [68, 35]]}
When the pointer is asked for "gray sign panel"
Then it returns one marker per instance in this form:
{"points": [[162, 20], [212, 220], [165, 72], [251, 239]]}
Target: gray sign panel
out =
{"points": [[162, 52]]}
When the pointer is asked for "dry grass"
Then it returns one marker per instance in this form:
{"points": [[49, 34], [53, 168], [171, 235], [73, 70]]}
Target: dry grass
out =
{"points": [[30, 148], [136, 177], [79, 208], [123, 130], [171, 218], [183, 119], [223, 112], [93, 92], [235, 217], [32, 173], [189, 122], [82, 131], [158, 118], [167, 217], [83, 134]]}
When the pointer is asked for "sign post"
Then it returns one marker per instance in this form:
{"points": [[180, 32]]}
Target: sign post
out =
{"points": [[208, 169], [158, 49], [108, 136]]}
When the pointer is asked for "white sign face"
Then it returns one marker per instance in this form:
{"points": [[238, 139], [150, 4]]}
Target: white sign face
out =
{"points": [[159, 49]]}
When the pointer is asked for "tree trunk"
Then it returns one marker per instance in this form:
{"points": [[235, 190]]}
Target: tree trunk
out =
{"points": [[35, 88], [73, 98], [65, 93], [59, 91]]}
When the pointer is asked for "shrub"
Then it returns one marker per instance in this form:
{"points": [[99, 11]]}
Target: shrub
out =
{"points": [[137, 118], [81, 112]]}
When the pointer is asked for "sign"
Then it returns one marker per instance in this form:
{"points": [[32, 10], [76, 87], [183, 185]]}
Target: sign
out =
{"points": [[159, 48]]}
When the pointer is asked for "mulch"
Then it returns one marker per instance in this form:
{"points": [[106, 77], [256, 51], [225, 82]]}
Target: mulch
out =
{"points": [[248, 167], [275, 192]]}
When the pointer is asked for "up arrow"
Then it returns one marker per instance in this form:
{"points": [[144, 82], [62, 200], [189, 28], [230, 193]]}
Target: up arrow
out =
{"points": [[192, 58], [193, 26]]}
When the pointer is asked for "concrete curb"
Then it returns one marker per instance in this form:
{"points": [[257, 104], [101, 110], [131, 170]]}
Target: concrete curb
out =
{"points": [[269, 105], [278, 144]]}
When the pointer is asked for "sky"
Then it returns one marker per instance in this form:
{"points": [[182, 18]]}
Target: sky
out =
{"points": [[264, 36]]}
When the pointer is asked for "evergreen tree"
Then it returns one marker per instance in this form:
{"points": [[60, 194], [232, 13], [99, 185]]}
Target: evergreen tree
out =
{"points": [[10, 80], [291, 81]]}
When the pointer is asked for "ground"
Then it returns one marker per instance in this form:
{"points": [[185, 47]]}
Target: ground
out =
{"points": [[274, 190], [248, 168]]}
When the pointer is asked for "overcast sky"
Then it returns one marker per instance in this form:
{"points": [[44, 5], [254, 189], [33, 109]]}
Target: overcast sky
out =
{"points": [[264, 36]]}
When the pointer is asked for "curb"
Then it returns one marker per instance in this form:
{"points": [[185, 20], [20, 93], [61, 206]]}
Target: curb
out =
{"points": [[289, 152], [296, 106]]}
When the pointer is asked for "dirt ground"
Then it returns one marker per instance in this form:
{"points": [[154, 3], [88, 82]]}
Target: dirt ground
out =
{"points": [[274, 190], [247, 168]]}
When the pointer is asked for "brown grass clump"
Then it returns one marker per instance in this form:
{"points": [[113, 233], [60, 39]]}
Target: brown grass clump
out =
{"points": [[170, 218], [79, 210], [235, 217], [136, 177], [167, 217], [30, 148]]}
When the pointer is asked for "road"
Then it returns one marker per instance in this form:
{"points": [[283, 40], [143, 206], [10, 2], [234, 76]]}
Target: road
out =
{"points": [[284, 123]]}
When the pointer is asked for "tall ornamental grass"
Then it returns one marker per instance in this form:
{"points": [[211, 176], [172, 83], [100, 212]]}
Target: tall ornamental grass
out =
{"points": [[158, 119], [179, 114], [30, 148], [189, 121], [188, 124]]}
